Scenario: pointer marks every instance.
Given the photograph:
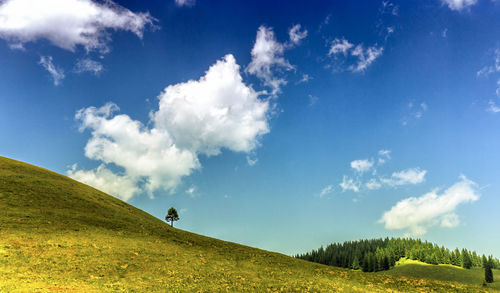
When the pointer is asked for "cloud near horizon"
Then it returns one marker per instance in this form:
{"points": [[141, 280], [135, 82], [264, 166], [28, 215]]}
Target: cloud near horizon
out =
{"points": [[68, 23], [197, 117], [417, 214]]}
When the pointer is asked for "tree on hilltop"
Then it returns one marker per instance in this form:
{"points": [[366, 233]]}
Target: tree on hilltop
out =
{"points": [[172, 216]]}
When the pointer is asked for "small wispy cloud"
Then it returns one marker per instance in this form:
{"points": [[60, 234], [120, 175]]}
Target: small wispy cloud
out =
{"points": [[267, 59], [188, 3], [383, 156], [56, 73], [349, 184], [361, 165], [414, 112], [305, 78], [444, 33], [252, 160], [459, 5], [487, 71], [296, 34], [192, 191], [408, 176], [325, 22], [386, 22], [364, 180], [341, 50], [312, 100], [340, 46], [373, 184], [389, 8], [365, 57], [88, 65], [493, 107], [327, 190]]}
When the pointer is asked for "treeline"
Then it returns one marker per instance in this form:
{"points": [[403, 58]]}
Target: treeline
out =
{"points": [[382, 254]]}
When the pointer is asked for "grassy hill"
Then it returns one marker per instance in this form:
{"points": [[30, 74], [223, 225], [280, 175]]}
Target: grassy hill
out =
{"points": [[442, 272], [60, 235]]}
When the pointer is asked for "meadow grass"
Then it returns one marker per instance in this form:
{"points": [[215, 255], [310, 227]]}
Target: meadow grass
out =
{"points": [[442, 272], [58, 235]]}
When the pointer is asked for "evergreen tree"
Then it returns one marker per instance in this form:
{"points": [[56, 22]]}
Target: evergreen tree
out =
{"points": [[488, 272], [385, 263], [373, 263], [355, 264], [382, 254], [466, 259], [366, 263]]}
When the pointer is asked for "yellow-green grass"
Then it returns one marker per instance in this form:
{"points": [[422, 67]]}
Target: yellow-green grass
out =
{"points": [[60, 235], [443, 272]]}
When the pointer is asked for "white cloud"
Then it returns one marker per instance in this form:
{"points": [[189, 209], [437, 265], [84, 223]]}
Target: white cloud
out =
{"points": [[390, 30], [328, 189], [361, 165], [187, 3], [415, 112], [373, 184], [340, 46], [444, 33], [251, 161], [417, 214], [408, 176], [487, 70], [493, 107], [88, 65], [217, 111], [305, 78], [325, 22], [349, 184], [384, 156], [267, 57], [192, 191], [498, 88], [459, 5], [123, 186], [68, 23], [312, 100], [389, 8], [296, 35], [196, 117], [56, 73], [365, 57]]}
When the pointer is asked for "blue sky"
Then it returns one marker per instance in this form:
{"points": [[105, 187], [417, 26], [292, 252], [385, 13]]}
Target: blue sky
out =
{"points": [[284, 125]]}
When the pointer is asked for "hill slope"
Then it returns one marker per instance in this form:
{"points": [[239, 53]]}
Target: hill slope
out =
{"points": [[443, 272], [60, 235]]}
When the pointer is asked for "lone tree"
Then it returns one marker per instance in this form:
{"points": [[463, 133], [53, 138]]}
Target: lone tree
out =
{"points": [[172, 216], [488, 273]]}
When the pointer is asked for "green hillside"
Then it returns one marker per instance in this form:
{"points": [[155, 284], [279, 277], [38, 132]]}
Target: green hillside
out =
{"points": [[60, 235], [417, 269]]}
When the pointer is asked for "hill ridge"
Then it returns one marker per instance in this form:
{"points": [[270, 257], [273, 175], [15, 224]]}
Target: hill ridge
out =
{"points": [[57, 234]]}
